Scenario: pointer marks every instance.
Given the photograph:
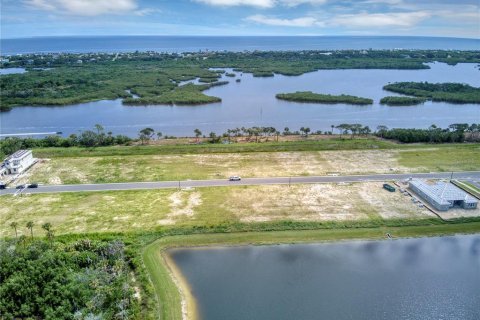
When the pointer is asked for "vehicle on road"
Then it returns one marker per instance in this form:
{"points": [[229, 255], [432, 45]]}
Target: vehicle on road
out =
{"points": [[234, 178], [33, 185], [20, 186], [2, 185]]}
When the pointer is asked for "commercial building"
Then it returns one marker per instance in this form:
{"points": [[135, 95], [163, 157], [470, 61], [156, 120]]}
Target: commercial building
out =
{"points": [[443, 195], [19, 162]]}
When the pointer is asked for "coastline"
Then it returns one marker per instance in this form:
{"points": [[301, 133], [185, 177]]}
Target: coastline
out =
{"points": [[173, 289]]}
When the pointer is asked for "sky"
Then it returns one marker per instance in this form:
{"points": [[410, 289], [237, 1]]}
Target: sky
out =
{"points": [[448, 18]]}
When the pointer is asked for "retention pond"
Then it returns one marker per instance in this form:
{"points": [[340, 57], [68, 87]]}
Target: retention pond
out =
{"points": [[426, 278]]}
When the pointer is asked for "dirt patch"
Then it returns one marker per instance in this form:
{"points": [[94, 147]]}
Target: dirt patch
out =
{"points": [[365, 161], [391, 204]]}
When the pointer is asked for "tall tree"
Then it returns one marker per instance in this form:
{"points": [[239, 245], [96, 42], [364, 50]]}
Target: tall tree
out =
{"points": [[30, 226], [14, 226], [197, 133], [146, 134]]}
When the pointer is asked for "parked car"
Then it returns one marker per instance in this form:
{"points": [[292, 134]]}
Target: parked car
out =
{"points": [[33, 185], [234, 178], [2, 185], [20, 186]]}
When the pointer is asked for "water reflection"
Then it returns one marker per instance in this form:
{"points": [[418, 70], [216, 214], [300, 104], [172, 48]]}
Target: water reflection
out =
{"points": [[431, 278], [252, 102]]}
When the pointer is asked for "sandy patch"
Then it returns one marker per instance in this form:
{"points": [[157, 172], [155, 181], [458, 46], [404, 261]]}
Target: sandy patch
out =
{"points": [[365, 161], [390, 204]]}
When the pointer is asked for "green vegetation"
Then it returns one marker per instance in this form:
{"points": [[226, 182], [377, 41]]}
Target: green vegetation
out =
{"points": [[468, 187], [155, 76], [308, 96], [448, 92], [53, 280], [188, 94], [459, 132], [156, 257], [401, 101]]}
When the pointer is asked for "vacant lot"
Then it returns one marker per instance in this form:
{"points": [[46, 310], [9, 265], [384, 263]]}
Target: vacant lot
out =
{"points": [[150, 209], [98, 169]]}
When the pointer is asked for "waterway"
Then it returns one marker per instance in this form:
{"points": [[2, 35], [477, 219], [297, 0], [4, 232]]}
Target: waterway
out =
{"points": [[426, 278], [252, 102], [213, 43]]}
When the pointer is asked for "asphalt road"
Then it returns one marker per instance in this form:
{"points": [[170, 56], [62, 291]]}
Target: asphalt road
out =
{"points": [[474, 175]]}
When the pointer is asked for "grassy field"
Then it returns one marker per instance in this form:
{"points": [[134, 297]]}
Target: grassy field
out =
{"points": [[98, 168], [175, 293], [142, 210], [214, 166]]}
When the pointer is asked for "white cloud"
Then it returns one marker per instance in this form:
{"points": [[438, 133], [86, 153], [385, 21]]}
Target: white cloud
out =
{"points": [[298, 22], [232, 3], [294, 3], [85, 7], [392, 19], [260, 3], [359, 20]]}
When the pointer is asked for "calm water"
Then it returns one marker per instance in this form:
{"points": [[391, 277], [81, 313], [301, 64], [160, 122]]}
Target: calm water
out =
{"points": [[191, 44], [252, 102], [430, 278]]}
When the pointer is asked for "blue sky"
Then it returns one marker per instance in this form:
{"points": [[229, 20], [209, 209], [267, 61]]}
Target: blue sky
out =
{"points": [[450, 18]]}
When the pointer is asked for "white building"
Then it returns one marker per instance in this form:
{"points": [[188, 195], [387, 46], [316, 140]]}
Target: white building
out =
{"points": [[3, 171], [443, 195], [19, 161]]}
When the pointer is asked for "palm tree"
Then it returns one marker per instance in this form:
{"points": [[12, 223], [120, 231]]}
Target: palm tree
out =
{"points": [[30, 226], [198, 133], [47, 226], [332, 126], [23, 239], [14, 226]]}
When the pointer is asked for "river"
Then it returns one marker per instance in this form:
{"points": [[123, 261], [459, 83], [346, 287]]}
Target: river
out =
{"points": [[425, 278], [252, 102]]}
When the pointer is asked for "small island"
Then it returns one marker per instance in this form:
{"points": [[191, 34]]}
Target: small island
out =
{"points": [[189, 94], [446, 92], [308, 96], [402, 101]]}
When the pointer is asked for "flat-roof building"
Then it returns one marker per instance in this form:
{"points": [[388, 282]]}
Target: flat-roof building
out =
{"points": [[443, 195]]}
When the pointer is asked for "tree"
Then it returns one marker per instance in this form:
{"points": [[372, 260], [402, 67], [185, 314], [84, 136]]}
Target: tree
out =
{"points": [[332, 126], [305, 131], [159, 135], [286, 131], [146, 134], [47, 226], [197, 133], [14, 226], [99, 128], [30, 226], [381, 130]]}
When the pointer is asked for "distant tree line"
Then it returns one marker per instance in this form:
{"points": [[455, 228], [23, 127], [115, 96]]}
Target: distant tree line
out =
{"points": [[89, 139], [459, 132]]}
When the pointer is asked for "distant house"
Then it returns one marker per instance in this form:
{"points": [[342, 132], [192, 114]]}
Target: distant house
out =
{"points": [[19, 161], [443, 195]]}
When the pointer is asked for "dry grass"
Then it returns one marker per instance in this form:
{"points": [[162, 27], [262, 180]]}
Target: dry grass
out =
{"points": [[209, 166], [140, 210]]}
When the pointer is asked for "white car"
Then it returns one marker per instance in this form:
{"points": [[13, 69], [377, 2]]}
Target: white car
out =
{"points": [[234, 178]]}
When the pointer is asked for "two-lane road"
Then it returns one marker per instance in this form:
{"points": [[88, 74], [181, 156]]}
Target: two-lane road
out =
{"points": [[474, 175]]}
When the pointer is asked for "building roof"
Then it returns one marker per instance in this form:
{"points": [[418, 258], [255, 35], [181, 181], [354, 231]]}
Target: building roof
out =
{"points": [[18, 154], [443, 192]]}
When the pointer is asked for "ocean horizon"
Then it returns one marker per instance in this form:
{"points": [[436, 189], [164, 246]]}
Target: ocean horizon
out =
{"points": [[171, 44]]}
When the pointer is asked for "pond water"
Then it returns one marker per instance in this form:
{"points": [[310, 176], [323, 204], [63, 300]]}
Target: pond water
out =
{"points": [[12, 71], [427, 278], [252, 102]]}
